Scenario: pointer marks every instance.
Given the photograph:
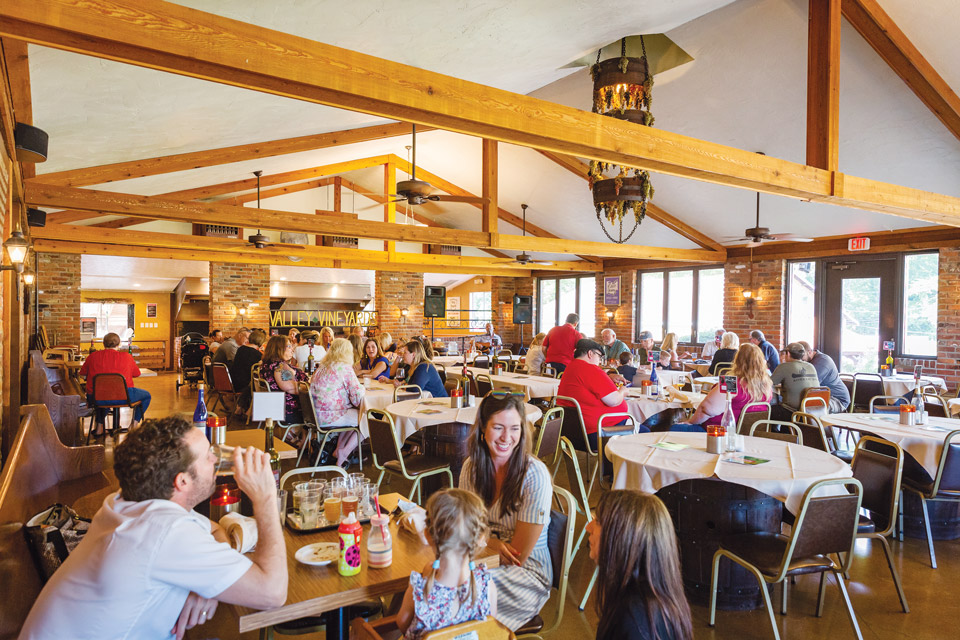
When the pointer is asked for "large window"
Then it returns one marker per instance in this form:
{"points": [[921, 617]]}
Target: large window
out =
{"points": [[801, 310], [108, 317], [920, 278], [559, 297], [480, 303], [687, 302]]}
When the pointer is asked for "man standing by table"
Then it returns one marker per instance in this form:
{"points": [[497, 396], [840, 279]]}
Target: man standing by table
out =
{"points": [[112, 360], [561, 342], [612, 348], [150, 566], [829, 377]]}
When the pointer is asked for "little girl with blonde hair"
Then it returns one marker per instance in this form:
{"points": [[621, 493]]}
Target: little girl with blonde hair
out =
{"points": [[452, 589]]}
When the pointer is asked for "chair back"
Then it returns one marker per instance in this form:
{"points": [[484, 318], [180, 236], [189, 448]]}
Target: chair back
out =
{"points": [[848, 382], [573, 429], [259, 385], [481, 362], [865, 386], [383, 438], [548, 439], [880, 404], [488, 629], [442, 372], [878, 465], [826, 524], [255, 371], [109, 387], [312, 471], [547, 371], [948, 471], [407, 392], [560, 537], [221, 378], [723, 369], [935, 405], [307, 406], [815, 400], [484, 384], [752, 412], [761, 429], [812, 430], [451, 385]]}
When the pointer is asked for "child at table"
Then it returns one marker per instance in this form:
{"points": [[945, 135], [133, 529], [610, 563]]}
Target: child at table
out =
{"points": [[452, 589], [626, 368]]}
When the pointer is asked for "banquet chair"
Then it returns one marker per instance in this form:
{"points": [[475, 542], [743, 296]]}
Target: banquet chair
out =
{"points": [[223, 387], [815, 400], [878, 465], [407, 392], [451, 385], [109, 391], [548, 436], [723, 369], [761, 429], [549, 372], [560, 543], [334, 469], [441, 371], [387, 457], [825, 525], [865, 387], [488, 629], [748, 417], [944, 488], [484, 384], [935, 405], [890, 404], [814, 435], [311, 425], [848, 382], [481, 362]]}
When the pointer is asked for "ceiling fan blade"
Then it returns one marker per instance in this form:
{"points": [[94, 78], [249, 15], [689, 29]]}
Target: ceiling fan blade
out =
{"points": [[287, 245], [792, 237], [466, 199], [543, 262]]}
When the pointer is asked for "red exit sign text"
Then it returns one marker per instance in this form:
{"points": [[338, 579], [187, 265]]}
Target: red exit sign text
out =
{"points": [[858, 244]]}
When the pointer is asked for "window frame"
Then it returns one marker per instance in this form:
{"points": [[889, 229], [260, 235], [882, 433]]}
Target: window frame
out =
{"points": [[556, 299], [664, 314]]}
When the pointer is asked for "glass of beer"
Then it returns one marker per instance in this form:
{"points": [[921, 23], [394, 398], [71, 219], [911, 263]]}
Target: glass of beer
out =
{"points": [[332, 501], [351, 499]]}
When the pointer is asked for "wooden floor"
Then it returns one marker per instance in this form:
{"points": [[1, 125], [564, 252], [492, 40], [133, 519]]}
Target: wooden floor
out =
{"points": [[933, 595]]}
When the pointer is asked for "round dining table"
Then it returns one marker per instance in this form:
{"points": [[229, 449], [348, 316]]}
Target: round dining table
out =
{"points": [[379, 395], [410, 416], [642, 406]]}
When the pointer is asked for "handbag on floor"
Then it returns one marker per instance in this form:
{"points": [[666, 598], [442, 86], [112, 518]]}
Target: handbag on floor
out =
{"points": [[52, 534]]}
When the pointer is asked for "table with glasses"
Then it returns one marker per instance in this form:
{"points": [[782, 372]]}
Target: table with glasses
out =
{"points": [[665, 376], [642, 406], [710, 496], [903, 383], [410, 416], [449, 361], [702, 369], [531, 386], [378, 395]]}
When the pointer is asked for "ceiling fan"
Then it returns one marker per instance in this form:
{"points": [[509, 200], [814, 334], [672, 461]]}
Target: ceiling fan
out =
{"points": [[524, 257], [259, 240], [755, 236]]}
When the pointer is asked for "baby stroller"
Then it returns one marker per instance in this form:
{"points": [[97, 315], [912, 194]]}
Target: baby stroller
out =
{"points": [[193, 349]]}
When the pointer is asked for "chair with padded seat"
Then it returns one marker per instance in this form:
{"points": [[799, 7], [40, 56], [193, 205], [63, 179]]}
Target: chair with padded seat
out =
{"points": [[761, 429], [865, 387], [481, 362], [547, 441], [484, 384], [935, 405], [944, 488], [814, 435], [815, 400], [752, 412], [825, 525], [387, 456], [560, 543], [109, 391], [885, 404], [407, 392], [848, 382], [878, 465], [451, 385], [488, 629]]}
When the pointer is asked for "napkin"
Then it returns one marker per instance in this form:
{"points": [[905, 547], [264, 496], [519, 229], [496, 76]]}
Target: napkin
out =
{"points": [[414, 519], [675, 394], [241, 531]]}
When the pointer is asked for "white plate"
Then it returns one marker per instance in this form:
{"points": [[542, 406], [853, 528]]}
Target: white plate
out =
{"points": [[307, 554]]}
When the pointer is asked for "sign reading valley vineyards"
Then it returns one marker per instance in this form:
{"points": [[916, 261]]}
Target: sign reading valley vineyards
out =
{"points": [[323, 318]]}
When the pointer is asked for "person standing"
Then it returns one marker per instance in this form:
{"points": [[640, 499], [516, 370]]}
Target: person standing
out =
{"points": [[794, 377], [829, 377], [112, 360], [561, 342], [612, 348], [770, 353]]}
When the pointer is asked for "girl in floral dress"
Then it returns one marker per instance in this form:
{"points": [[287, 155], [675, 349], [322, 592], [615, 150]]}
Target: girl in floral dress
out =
{"points": [[280, 376], [452, 589]]}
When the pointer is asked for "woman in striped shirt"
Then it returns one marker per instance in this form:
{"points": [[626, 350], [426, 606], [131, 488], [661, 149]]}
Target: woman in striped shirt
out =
{"points": [[517, 489]]}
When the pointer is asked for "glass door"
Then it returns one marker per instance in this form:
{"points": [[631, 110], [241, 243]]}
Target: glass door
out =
{"points": [[859, 313]]}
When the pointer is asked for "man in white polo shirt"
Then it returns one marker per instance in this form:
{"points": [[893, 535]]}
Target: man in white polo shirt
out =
{"points": [[150, 566]]}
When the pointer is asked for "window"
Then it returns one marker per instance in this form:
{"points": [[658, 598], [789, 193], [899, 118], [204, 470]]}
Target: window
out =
{"points": [[920, 280], [687, 302], [110, 317], [480, 311], [801, 310], [559, 297]]}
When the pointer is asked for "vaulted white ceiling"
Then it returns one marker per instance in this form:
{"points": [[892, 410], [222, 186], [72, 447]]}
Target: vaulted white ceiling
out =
{"points": [[745, 88]]}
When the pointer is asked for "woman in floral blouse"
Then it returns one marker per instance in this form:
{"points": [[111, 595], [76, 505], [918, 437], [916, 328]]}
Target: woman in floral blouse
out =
{"points": [[337, 394], [280, 376]]}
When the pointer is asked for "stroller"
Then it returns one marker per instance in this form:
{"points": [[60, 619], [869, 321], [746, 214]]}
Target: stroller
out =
{"points": [[193, 349]]}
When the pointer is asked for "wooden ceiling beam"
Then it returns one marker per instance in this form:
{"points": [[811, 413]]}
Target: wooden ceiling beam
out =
{"points": [[490, 185], [823, 84], [18, 74], [103, 174], [889, 41]]}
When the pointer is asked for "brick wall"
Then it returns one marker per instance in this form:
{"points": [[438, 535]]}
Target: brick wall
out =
{"points": [[394, 291], [234, 286], [59, 280], [765, 312], [623, 321], [502, 290]]}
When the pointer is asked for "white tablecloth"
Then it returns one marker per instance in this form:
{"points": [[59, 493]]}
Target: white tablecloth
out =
{"points": [[448, 361], [411, 415], [902, 384], [532, 386], [378, 396], [924, 443], [665, 376], [791, 469], [642, 407]]}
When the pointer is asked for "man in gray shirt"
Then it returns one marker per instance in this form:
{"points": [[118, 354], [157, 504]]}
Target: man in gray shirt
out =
{"points": [[829, 377], [794, 377], [228, 349]]}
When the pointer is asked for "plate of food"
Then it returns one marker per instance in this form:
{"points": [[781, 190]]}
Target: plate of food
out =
{"points": [[318, 554]]}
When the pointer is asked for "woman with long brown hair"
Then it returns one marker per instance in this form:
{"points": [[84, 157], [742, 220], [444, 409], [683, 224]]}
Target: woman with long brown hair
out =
{"points": [[753, 385], [639, 590], [280, 376], [516, 488], [420, 370]]}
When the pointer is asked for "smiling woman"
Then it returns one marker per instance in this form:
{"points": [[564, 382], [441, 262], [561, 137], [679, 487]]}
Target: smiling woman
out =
{"points": [[516, 489]]}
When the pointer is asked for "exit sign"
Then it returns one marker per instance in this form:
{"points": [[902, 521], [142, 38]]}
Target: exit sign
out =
{"points": [[858, 244]]}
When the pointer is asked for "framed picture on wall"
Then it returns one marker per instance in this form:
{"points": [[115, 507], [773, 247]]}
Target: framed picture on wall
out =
{"points": [[151, 310], [611, 290], [88, 326]]}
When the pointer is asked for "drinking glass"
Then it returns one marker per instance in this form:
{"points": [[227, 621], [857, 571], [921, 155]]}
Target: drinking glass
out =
{"points": [[355, 480], [350, 501], [370, 492], [309, 499], [282, 504], [332, 501], [224, 455]]}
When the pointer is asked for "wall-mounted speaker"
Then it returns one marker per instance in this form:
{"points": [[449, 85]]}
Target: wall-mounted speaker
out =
{"points": [[434, 302], [31, 143], [522, 309], [36, 217]]}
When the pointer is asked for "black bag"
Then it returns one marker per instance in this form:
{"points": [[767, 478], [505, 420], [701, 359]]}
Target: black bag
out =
{"points": [[52, 534]]}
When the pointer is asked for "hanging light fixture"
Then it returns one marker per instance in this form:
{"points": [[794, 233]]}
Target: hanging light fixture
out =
{"points": [[622, 88]]}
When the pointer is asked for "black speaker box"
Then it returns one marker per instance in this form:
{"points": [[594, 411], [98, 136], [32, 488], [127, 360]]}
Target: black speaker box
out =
{"points": [[36, 217], [31, 143], [434, 302], [522, 309]]}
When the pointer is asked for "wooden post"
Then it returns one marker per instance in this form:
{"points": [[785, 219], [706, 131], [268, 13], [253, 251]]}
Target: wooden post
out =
{"points": [[823, 85]]}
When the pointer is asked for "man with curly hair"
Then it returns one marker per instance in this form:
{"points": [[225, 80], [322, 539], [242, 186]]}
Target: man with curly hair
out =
{"points": [[150, 566]]}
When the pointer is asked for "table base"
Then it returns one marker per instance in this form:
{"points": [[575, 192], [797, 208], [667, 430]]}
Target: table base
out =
{"points": [[944, 518], [449, 442], [704, 511]]}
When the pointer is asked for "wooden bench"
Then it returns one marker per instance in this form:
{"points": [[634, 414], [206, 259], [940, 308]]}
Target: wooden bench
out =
{"points": [[65, 410], [40, 471]]}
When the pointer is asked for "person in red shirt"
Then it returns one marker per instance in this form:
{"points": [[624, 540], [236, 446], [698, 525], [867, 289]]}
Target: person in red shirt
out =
{"points": [[112, 360], [561, 342], [592, 388]]}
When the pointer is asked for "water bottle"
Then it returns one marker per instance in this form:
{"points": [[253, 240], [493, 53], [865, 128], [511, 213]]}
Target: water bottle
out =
{"points": [[730, 426], [654, 380], [200, 413], [919, 408]]}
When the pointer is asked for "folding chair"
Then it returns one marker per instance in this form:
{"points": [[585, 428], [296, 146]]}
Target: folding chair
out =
{"points": [[761, 429], [311, 424], [385, 447], [223, 387], [748, 416], [109, 391]]}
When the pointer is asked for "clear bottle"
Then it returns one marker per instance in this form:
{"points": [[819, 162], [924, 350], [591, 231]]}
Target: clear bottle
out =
{"points": [[729, 424], [379, 543], [272, 450], [920, 415]]}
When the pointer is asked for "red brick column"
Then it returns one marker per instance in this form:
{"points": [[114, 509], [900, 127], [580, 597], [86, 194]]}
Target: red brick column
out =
{"points": [[393, 292], [623, 321], [59, 281], [502, 290], [765, 312], [234, 286]]}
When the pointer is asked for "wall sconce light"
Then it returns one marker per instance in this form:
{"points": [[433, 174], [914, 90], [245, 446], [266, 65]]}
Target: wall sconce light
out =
{"points": [[747, 293], [403, 315], [242, 311], [28, 277], [16, 247], [610, 315]]}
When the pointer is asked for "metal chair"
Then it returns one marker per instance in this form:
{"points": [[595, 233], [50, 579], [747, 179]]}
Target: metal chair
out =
{"points": [[560, 542], [816, 401], [223, 387], [109, 391], [481, 362], [451, 385], [878, 465], [848, 382], [935, 405], [387, 456], [484, 384], [723, 369], [748, 416], [761, 429], [944, 488], [407, 392], [312, 471], [886, 407], [548, 437], [813, 432], [311, 424], [865, 387], [825, 525]]}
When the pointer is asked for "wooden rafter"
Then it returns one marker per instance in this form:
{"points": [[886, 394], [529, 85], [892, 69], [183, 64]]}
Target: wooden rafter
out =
{"points": [[823, 85], [888, 40], [18, 72], [490, 180]]}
